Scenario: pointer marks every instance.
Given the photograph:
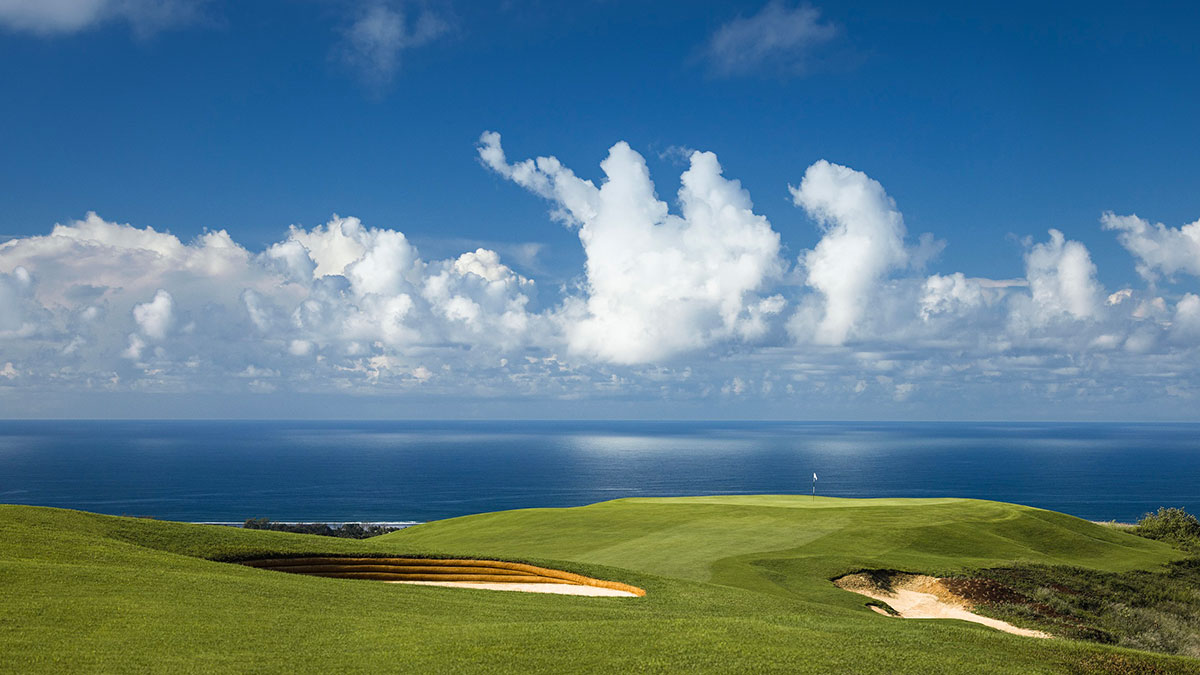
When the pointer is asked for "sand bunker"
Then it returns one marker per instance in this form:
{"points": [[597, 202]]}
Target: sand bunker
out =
{"points": [[916, 596], [495, 575]]}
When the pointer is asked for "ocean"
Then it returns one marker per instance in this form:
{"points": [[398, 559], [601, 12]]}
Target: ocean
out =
{"points": [[215, 471]]}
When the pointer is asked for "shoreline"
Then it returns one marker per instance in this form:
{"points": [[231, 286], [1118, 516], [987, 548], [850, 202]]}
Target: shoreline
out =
{"points": [[398, 524]]}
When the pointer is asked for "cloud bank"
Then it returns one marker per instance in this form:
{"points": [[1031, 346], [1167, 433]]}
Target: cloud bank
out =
{"points": [[693, 302], [108, 301]]}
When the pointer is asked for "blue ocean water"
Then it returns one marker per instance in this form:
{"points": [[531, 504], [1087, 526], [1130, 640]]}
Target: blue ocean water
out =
{"points": [[395, 471]]}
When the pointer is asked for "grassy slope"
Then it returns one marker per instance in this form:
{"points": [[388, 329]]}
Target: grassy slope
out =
{"points": [[734, 584]]}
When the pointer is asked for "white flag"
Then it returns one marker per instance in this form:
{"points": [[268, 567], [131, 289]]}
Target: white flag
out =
{"points": [[814, 477]]}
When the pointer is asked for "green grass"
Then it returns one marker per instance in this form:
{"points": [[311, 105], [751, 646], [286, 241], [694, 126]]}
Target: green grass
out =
{"points": [[734, 584]]}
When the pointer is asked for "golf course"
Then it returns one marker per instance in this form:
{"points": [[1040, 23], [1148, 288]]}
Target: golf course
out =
{"points": [[731, 584]]}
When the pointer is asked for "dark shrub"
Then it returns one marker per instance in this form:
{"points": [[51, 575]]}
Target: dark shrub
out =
{"points": [[345, 530], [1170, 524]]}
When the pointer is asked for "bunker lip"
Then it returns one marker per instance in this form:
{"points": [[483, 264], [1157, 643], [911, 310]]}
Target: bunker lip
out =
{"points": [[465, 573], [535, 587], [917, 596]]}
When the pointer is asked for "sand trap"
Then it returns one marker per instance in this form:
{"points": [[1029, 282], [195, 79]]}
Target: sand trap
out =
{"points": [[492, 575], [916, 596], [559, 589]]}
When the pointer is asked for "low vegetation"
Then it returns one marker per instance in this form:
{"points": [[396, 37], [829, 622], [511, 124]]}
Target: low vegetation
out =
{"points": [[1152, 610], [344, 530], [1157, 610]]}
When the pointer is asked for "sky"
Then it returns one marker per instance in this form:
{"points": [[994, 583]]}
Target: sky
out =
{"points": [[606, 209]]}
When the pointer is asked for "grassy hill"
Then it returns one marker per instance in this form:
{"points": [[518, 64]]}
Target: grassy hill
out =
{"points": [[734, 584]]}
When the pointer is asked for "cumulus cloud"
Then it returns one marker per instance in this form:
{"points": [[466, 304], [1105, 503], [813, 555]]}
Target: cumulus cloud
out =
{"points": [[958, 294], [863, 241], [14, 302], [778, 38], [154, 318], [379, 34], [657, 284], [1185, 325], [50, 17], [1159, 249], [1062, 280]]}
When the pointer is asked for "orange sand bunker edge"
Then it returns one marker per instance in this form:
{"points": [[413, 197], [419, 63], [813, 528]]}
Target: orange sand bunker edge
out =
{"points": [[558, 589]]}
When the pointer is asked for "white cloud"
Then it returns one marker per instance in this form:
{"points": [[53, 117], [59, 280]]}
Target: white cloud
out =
{"points": [[737, 386], [1062, 280], [1185, 326], [1152, 308], [862, 243], [49, 17], [154, 318], [1119, 296], [957, 294], [323, 250], [340, 292], [658, 284], [15, 291], [1159, 249], [134, 350], [778, 38], [380, 33], [99, 261]]}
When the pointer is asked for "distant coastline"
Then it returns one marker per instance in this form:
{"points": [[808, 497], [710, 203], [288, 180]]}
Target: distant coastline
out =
{"points": [[397, 524]]}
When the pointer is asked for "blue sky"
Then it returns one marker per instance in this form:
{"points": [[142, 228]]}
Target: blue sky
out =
{"points": [[988, 125]]}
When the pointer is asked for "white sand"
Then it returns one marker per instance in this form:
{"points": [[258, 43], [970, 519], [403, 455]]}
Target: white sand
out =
{"points": [[922, 597], [559, 589]]}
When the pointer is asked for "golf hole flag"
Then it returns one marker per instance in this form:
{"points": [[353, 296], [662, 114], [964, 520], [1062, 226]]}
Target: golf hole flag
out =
{"points": [[814, 486]]}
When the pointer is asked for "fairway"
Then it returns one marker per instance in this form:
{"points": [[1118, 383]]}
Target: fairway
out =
{"points": [[732, 584]]}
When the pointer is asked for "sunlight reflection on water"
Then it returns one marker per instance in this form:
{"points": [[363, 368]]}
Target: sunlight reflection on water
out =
{"points": [[344, 471]]}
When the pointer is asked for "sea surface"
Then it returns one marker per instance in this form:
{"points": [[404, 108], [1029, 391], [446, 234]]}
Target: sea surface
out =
{"points": [[419, 471]]}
